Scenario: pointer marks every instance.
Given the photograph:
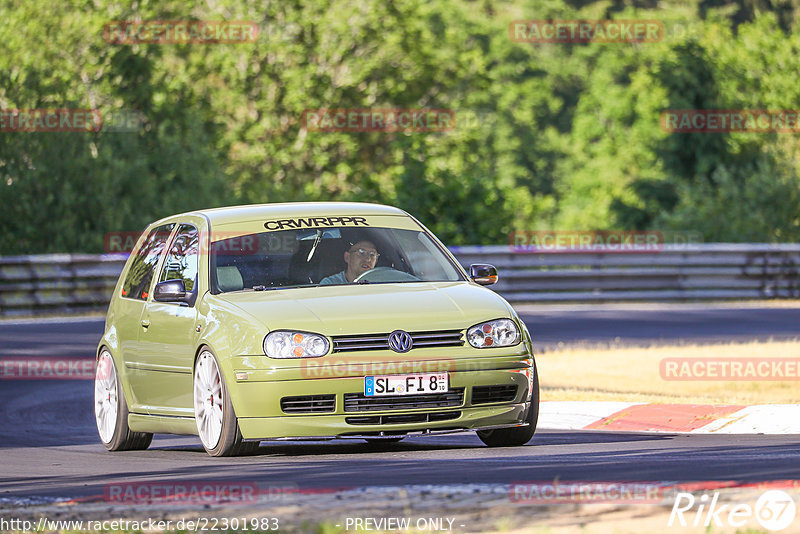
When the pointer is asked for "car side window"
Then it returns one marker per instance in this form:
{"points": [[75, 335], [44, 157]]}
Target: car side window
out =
{"points": [[182, 261], [144, 263]]}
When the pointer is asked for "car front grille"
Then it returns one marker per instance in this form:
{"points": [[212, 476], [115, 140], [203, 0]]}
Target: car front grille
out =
{"points": [[358, 402], [402, 418], [309, 404], [440, 338], [489, 394]]}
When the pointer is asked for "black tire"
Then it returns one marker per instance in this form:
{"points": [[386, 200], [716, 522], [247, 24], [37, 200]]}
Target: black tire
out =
{"points": [[123, 438], [516, 437], [230, 441]]}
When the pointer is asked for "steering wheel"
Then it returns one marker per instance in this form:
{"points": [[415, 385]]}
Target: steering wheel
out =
{"points": [[385, 274]]}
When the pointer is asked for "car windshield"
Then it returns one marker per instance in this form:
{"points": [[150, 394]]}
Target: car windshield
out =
{"points": [[327, 256]]}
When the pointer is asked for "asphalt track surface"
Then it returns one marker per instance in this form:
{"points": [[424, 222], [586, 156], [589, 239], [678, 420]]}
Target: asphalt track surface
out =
{"points": [[49, 446]]}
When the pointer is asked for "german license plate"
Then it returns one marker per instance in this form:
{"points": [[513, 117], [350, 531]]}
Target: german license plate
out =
{"points": [[377, 386]]}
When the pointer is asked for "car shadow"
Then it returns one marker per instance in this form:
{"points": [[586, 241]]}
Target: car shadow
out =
{"points": [[464, 441]]}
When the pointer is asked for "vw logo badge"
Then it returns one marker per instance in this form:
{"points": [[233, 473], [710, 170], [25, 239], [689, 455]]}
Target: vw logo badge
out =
{"points": [[400, 341]]}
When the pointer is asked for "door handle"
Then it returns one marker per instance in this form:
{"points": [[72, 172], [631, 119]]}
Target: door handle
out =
{"points": [[145, 323]]}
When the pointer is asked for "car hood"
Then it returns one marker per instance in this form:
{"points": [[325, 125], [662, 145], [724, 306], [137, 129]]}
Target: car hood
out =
{"points": [[372, 308]]}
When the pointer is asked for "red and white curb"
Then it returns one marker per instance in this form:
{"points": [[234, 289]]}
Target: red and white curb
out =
{"points": [[680, 418]]}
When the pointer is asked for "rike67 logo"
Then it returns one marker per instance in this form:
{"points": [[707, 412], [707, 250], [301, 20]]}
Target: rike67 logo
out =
{"points": [[774, 510]]}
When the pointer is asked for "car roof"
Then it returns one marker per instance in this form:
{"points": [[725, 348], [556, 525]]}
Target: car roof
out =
{"points": [[253, 212]]}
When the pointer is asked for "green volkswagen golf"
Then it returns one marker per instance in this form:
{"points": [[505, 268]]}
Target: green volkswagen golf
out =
{"points": [[308, 321]]}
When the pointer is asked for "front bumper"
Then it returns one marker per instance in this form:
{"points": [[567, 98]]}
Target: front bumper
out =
{"points": [[332, 426], [260, 416], [388, 435]]}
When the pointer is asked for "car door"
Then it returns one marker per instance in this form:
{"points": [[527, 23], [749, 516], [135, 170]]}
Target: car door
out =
{"points": [[135, 291], [168, 337]]}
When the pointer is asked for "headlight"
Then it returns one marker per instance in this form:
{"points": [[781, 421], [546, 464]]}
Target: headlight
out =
{"points": [[288, 344], [497, 333]]}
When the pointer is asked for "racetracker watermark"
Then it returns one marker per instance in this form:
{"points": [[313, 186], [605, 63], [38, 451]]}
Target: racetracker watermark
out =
{"points": [[378, 120], [180, 32], [222, 243], [337, 367], [192, 492], [202, 524], [32, 368], [123, 121], [50, 120], [730, 121], [586, 31], [599, 241], [587, 492], [730, 369]]}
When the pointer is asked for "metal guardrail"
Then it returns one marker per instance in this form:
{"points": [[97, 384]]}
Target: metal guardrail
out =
{"points": [[57, 283], [677, 272], [71, 283]]}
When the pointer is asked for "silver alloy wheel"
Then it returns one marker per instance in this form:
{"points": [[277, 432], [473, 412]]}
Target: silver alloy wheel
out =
{"points": [[105, 397], [208, 400]]}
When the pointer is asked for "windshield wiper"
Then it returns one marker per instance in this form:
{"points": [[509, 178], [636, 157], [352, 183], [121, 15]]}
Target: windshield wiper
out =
{"points": [[270, 288], [275, 288]]}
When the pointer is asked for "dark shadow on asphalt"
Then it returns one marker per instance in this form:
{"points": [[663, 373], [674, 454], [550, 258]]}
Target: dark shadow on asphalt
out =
{"points": [[459, 442], [670, 462], [544, 437], [317, 448], [432, 443]]}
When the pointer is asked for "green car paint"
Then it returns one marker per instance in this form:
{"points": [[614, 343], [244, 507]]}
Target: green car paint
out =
{"points": [[155, 343]]}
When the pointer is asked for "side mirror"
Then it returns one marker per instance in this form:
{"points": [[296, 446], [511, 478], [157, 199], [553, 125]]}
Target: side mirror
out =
{"points": [[483, 274], [172, 291]]}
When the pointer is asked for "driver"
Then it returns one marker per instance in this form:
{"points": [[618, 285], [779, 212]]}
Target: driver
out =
{"points": [[360, 258]]}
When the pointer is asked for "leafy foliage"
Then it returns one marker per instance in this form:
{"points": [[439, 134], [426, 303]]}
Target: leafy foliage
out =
{"points": [[563, 136]]}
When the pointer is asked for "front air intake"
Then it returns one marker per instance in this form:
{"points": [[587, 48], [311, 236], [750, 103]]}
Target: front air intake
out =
{"points": [[309, 404]]}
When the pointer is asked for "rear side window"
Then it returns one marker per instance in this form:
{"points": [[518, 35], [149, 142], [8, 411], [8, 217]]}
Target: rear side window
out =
{"points": [[144, 263], [181, 263]]}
